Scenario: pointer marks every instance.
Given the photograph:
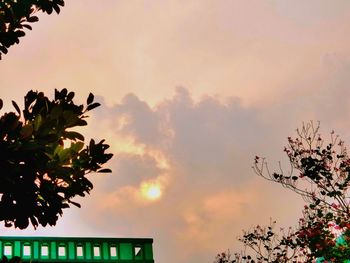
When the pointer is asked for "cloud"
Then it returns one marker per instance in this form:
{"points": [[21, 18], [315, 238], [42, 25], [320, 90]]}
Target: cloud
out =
{"points": [[199, 153]]}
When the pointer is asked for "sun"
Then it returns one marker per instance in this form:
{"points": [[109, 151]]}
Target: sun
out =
{"points": [[151, 191]]}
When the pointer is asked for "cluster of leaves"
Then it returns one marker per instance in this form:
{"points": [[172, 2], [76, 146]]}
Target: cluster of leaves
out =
{"points": [[266, 246], [16, 15], [43, 162], [14, 259], [321, 175], [224, 257], [269, 247]]}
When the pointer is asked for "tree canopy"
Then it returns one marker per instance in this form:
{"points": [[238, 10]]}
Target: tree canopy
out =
{"points": [[16, 15], [43, 160], [320, 173]]}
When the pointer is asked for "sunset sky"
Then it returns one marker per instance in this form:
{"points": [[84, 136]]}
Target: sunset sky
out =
{"points": [[191, 92]]}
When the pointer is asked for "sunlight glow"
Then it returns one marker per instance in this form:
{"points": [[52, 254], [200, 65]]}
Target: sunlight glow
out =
{"points": [[151, 191]]}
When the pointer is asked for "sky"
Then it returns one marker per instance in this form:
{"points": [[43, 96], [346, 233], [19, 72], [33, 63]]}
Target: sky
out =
{"points": [[191, 92]]}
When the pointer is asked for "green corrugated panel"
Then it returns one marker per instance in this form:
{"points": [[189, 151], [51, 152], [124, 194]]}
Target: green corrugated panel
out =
{"points": [[53, 254], [123, 249], [148, 251], [88, 254], [105, 252], [71, 250], [36, 250], [126, 251], [17, 249]]}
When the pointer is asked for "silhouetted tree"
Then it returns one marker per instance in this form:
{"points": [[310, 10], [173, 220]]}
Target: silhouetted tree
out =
{"points": [[15, 15], [321, 175], [15, 259], [43, 161]]}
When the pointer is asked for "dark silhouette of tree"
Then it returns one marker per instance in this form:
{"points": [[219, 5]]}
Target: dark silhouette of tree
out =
{"points": [[16, 15], [320, 173], [15, 259], [43, 160]]}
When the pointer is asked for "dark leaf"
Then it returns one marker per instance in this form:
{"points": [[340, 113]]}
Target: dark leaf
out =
{"points": [[26, 131], [65, 205], [16, 107], [104, 171], [64, 92], [81, 123], [92, 144], [56, 8], [3, 49], [60, 2], [76, 204], [20, 33], [90, 99], [33, 19], [37, 122], [27, 26], [8, 223], [92, 106], [57, 94], [74, 135], [70, 96]]}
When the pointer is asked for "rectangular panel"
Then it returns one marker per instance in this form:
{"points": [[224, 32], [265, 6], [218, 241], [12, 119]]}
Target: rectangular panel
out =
{"points": [[88, 254], [53, 253], [126, 251], [71, 250], [148, 251], [105, 252], [17, 250], [36, 250]]}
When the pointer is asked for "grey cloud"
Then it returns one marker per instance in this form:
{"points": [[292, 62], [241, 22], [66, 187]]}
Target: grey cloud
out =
{"points": [[143, 122], [210, 150], [209, 141], [131, 169]]}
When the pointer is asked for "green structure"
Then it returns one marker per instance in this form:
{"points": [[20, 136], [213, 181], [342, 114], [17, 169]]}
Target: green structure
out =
{"points": [[78, 249]]}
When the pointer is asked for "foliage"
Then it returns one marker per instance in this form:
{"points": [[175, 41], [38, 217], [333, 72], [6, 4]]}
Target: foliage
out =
{"points": [[15, 16], [224, 257], [44, 162], [14, 259], [266, 246], [320, 174]]}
